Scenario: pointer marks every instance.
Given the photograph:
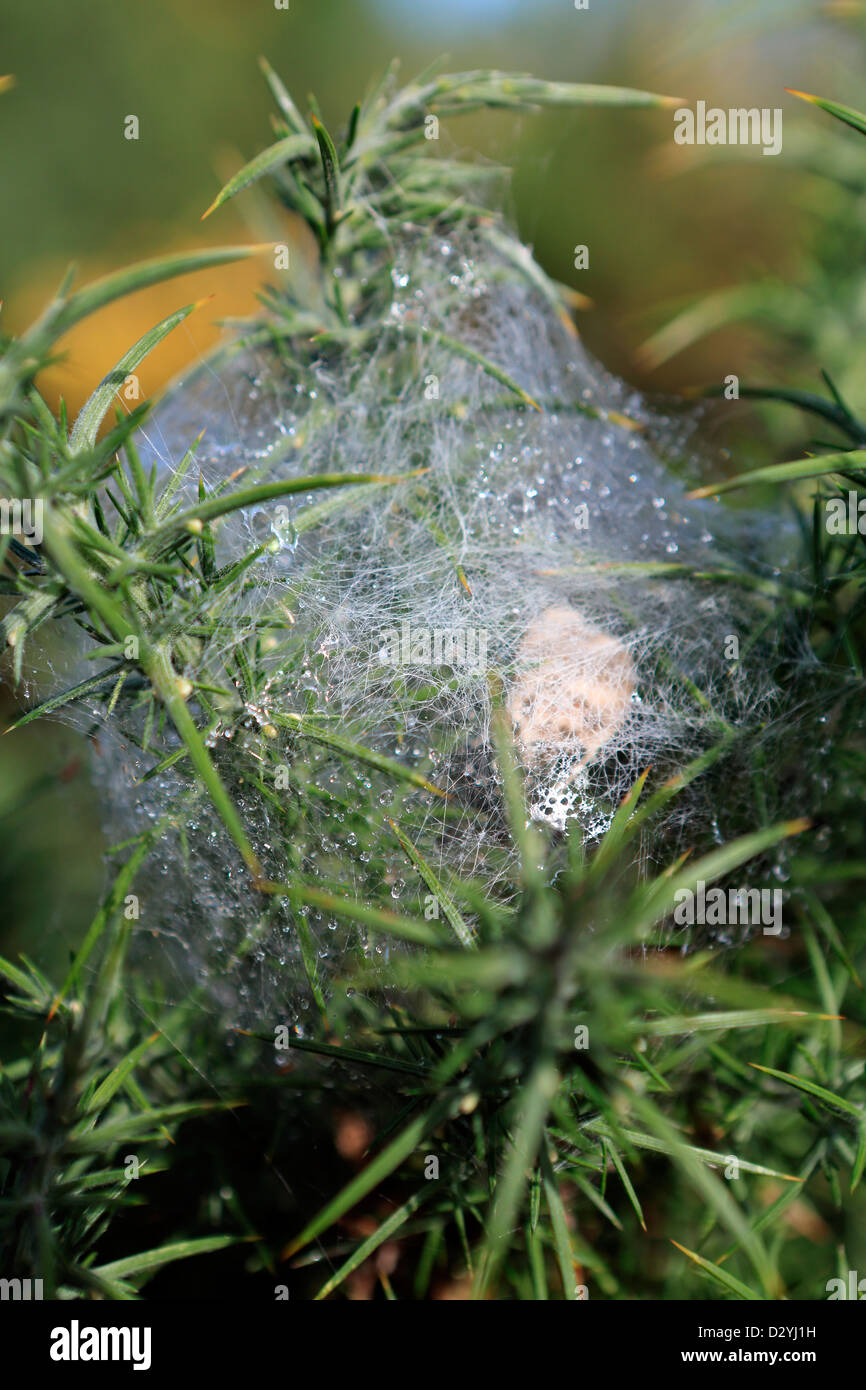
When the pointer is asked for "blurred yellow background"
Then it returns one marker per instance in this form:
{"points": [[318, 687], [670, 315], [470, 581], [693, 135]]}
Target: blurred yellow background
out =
{"points": [[75, 190]]}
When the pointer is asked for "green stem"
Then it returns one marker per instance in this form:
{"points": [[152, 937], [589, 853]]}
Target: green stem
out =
{"points": [[155, 662]]}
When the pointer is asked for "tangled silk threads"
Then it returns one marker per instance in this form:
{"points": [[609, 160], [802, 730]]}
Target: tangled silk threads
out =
{"points": [[542, 557]]}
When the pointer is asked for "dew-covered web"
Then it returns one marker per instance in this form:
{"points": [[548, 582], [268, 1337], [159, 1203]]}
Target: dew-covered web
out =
{"points": [[537, 558]]}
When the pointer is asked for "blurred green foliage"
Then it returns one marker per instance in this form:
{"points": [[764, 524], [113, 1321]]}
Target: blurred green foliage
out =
{"points": [[74, 188]]}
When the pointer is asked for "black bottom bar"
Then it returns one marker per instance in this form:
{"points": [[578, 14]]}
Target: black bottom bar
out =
{"points": [[87, 1341]]}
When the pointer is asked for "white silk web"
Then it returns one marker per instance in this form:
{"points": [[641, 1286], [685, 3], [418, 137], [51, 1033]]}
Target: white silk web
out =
{"points": [[544, 558]]}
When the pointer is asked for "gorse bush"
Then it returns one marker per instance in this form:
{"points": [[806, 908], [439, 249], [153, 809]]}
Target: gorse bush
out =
{"points": [[424, 693], [519, 541]]}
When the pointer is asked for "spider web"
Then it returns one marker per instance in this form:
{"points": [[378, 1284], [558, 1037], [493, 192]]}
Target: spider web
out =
{"points": [[536, 557]]}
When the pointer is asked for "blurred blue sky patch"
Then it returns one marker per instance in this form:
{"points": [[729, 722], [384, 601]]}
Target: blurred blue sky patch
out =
{"points": [[434, 14]]}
